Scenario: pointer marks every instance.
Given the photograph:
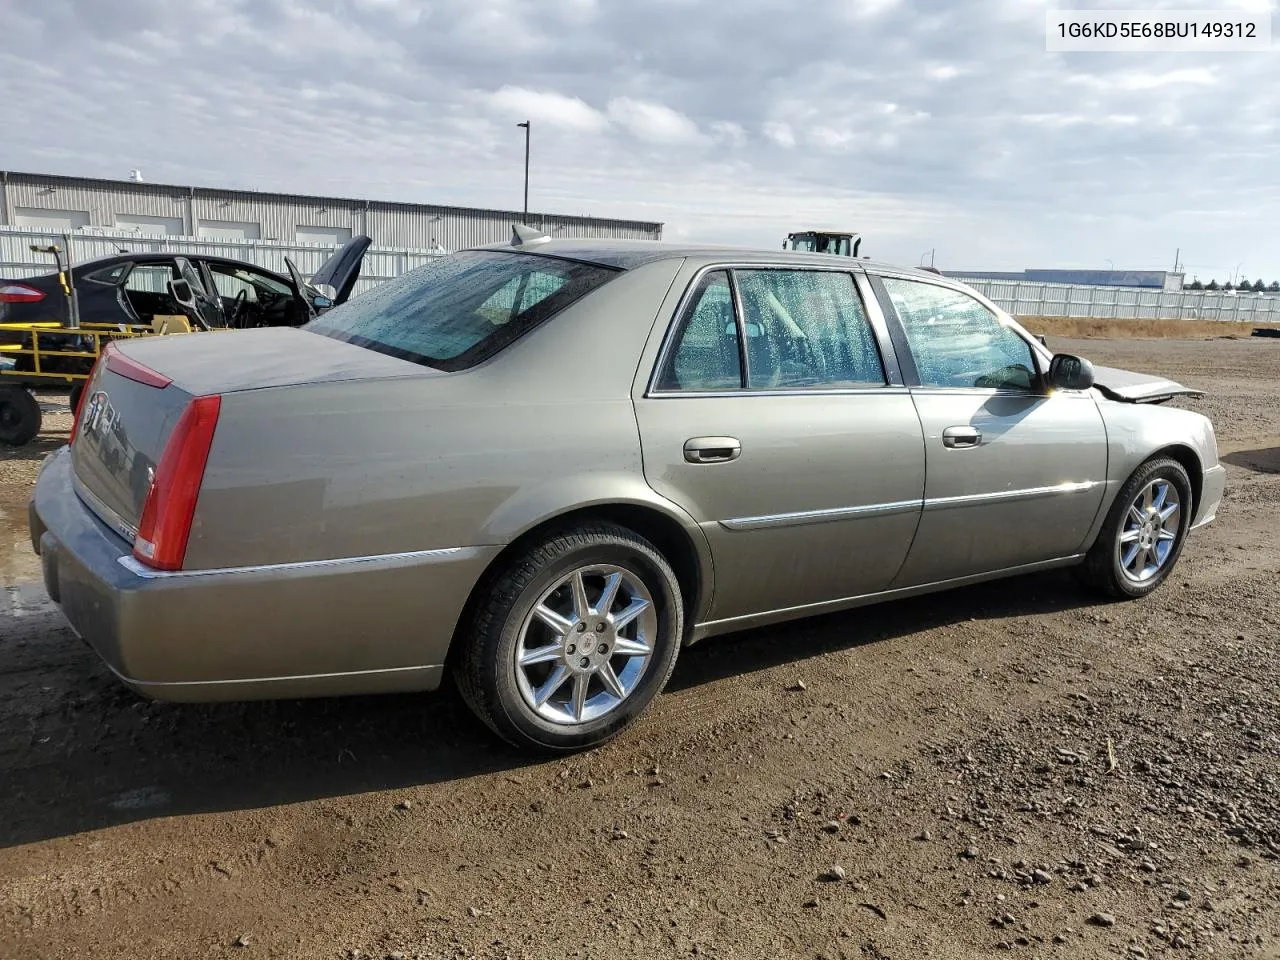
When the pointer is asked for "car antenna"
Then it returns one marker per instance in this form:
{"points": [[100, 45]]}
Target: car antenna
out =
{"points": [[522, 234]]}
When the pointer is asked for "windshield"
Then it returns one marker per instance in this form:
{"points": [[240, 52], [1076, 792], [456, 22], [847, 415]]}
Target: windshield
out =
{"points": [[459, 310]]}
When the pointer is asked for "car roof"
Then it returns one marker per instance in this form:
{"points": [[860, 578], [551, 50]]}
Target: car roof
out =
{"points": [[628, 254], [154, 256]]}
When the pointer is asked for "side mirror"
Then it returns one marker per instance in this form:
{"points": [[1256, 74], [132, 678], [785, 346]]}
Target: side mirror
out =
{"points": [[180, 290], [1067, 372]]}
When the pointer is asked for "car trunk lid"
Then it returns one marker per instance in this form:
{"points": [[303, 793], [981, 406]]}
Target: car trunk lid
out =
{"points": [[141, 388]]}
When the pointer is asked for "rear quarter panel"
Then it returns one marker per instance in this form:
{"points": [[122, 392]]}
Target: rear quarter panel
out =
{"points": [[376, 466]]}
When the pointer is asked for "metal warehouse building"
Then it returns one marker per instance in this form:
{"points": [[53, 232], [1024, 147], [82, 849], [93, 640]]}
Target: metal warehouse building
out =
{"points": [[82, 205]]}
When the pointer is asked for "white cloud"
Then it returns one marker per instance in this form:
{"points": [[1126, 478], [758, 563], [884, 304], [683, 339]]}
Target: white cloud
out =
{"points": [[779, 133], [652, 122], [553, 109], [637, 108], [728, 132]]}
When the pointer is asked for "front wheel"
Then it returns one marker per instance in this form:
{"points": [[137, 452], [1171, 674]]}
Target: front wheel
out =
{"points": [[1143, 534], [573, 639]]}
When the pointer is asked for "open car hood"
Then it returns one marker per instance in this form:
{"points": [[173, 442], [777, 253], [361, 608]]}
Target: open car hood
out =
{"points": [[1133, 387]]}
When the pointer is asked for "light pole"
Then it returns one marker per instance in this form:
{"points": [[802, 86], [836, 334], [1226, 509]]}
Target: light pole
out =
{"points": [[525, 124], [1236, 272]]}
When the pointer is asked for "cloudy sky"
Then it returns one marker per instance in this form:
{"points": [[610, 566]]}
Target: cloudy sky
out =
{"points": [[920, 124]]}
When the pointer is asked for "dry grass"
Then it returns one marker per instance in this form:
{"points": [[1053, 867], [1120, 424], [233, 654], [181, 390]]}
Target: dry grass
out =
{"points": [[1129, 329]]}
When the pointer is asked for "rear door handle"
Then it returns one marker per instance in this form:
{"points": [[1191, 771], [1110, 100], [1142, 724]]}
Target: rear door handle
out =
{"points": [[961, 437], [712, 449]]}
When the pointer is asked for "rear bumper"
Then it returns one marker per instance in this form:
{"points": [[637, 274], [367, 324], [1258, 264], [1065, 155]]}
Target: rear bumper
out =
{"points": [[1212, 486], [322, 628]]}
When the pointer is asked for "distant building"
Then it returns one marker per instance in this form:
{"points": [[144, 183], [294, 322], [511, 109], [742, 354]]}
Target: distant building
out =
{"points": [[1144, 279], [86, 205]]}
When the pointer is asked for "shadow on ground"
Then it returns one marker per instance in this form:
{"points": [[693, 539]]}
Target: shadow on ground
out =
{"points": [[79, 752], [1264, 460]]}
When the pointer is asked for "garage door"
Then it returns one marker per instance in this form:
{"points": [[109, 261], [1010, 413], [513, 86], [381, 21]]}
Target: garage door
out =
{"points": [[150, 226], [60, 220], [230, 230], [333, 236]]}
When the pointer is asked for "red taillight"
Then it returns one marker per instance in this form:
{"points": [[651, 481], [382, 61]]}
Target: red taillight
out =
{"points": [[19, 293], [171, 502], [130, 369]]}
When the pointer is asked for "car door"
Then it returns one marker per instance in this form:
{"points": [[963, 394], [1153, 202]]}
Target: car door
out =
{"points": [[206, 312], [777, 418], [1015, 473]]}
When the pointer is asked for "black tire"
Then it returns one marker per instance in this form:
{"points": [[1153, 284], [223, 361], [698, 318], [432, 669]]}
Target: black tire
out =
{"points": [[1102, 569], [73, 400], [485, 672], [19, 416]]}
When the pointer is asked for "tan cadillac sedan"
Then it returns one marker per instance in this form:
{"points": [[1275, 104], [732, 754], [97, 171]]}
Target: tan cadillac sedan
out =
{"points": [[543, 467]]}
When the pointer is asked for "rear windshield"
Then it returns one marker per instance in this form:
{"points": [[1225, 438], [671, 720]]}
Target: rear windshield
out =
{"points": [[459, 310]]}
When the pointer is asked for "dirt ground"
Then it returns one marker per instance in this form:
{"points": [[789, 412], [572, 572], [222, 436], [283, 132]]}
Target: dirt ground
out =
{"points": [[938, 788]]}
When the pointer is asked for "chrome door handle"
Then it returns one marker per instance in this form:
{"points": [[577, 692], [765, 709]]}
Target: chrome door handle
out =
{"points": [[961, 437], [712, 449]]}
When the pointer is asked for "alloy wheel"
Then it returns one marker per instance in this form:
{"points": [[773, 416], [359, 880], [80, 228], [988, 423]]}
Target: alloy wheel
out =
{"points": [[586, 644]]}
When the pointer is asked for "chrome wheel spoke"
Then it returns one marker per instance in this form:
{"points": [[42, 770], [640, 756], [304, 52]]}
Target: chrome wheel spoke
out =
{"points": [[631, 648], [553, 683], [1168, 512], [1166, 537], [581, 606], [1158, 502], [1130, 536], [555, 621], [1136, 516], [611, 681], [624, 617], [541, 655], [1146, 498], [580, 683], [610, 594], [1130, 555]]}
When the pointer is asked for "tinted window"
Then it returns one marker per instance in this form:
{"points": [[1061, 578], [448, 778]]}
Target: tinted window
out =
{"points": [[957, 342], [458, 310], [705, 355], [806, 328], [109, 275]]}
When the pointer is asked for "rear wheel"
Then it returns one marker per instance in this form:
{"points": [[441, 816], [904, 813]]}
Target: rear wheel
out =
{"points": [[573, 639], [1142, 536], [19, 416]]}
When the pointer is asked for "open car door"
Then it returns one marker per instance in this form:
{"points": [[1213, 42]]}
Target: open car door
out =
{"points": [[201, 307]]}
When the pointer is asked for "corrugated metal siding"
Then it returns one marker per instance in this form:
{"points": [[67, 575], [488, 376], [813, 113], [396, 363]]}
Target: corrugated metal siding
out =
{"points": [[404, 226]]}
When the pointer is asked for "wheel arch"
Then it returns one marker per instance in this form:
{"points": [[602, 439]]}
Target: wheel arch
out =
{"points": [[1190, 461], [677, 538]]}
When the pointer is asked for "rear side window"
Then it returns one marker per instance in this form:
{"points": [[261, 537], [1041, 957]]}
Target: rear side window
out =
{"points": [[705, 355], [807, 329], [109, 275], [459, 310]]}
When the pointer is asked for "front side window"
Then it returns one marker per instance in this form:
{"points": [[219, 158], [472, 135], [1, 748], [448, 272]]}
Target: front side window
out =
{"points": [[806, 329], [458, 310], [957, 342], [705, 354]]}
